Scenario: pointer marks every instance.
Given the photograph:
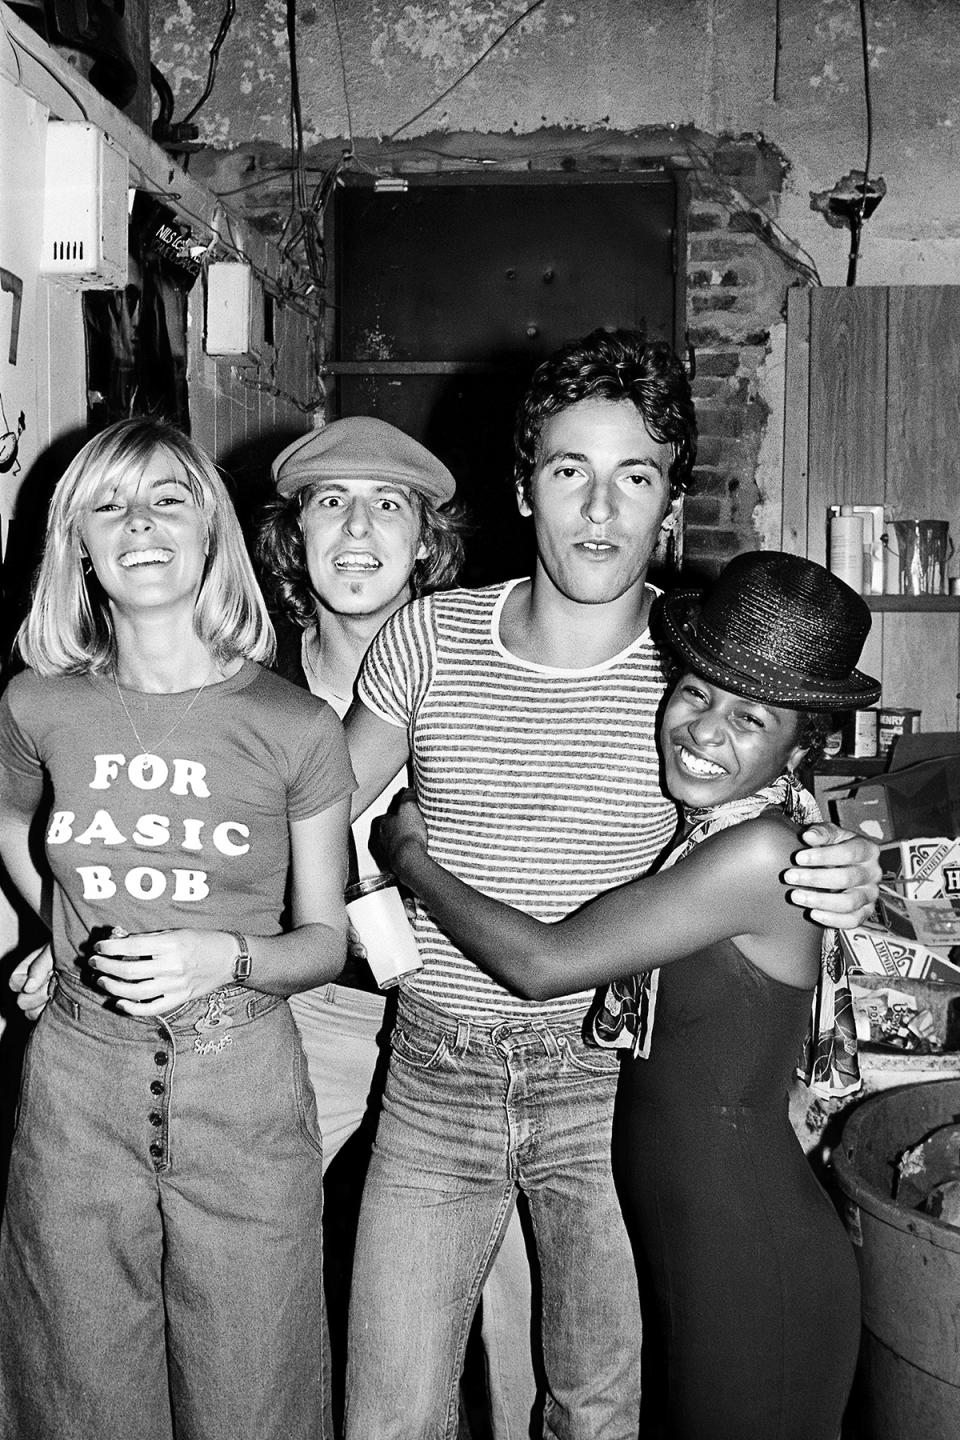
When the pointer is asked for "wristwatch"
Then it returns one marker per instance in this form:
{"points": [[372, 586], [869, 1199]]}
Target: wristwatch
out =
{"points": [[243, 963]]}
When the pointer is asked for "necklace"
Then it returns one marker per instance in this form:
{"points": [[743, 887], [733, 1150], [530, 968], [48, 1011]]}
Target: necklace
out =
{"points": [[180, 718]]}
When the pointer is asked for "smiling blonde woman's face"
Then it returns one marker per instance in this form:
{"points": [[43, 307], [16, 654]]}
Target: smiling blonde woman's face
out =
{"points": [[146, 536]]}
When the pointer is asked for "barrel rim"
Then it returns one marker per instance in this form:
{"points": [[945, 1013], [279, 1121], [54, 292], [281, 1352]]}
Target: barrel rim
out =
{"points": [[883, 1207]]}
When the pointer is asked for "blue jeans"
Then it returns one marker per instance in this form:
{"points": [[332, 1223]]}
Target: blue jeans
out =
{"points": [[160, 1255], [469, 1115]]}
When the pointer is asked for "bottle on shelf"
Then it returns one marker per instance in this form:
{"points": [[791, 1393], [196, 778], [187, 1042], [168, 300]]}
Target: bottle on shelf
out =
{"points": [[846, 547]]}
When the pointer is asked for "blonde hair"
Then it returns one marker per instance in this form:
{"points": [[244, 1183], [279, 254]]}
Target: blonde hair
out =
{"points": [[68, 629]]}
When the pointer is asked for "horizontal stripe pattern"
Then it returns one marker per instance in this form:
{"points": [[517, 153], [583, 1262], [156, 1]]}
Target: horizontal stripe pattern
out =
{"points": [[539, 787]]}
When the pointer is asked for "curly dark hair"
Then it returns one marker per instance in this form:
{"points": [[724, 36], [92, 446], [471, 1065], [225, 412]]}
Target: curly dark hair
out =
{"points": [[282, 558], [612, 365]]}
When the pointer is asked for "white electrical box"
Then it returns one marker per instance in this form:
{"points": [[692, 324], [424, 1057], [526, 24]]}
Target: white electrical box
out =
{"points": [[85, 210], [234, 328]]}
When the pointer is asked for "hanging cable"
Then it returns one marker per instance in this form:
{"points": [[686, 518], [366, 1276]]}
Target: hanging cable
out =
{"points": [[469, 71], [858, 214], [760, 222], [225, 24], [777, 47], [306, 232], [343, 74]]}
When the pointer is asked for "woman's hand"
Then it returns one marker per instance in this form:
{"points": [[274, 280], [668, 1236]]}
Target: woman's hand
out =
{"points": [[152, 973], [841, 871], [30, 981], [400, 830]]}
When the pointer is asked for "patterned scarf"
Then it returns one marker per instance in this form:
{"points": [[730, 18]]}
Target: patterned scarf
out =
{"points": [[623, 1015]]}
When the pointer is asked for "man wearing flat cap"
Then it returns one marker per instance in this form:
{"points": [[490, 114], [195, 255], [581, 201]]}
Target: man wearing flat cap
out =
{"points": [[362, 523]]}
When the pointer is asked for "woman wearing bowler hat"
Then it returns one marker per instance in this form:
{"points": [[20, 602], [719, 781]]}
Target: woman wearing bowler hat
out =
{"points": [[711, 982]]}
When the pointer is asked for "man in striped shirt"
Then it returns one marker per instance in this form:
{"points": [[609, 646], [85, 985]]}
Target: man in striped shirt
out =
{"points": [[528, 712]]}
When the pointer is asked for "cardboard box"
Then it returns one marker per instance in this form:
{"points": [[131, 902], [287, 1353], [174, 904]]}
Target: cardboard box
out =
{"points": [[913, 812], [933, 921], [875, 950]]}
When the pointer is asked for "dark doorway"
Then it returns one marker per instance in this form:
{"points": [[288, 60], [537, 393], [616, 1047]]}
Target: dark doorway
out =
{"points": [[449, 290]]}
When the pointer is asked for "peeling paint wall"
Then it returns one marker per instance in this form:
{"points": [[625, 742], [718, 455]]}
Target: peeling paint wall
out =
{"points": [[622, 64], [705, 68]]}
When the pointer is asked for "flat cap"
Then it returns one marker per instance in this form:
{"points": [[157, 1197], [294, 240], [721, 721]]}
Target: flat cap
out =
{"points": [[362, 447]]}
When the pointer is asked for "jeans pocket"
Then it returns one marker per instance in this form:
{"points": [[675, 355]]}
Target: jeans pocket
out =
{"points": [[419, 1052], [26, 1071], [588, 1060], [306, 1100]]}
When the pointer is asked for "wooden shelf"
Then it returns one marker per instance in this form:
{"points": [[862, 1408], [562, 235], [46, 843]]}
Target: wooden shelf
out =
{"points": [[928, 603]]}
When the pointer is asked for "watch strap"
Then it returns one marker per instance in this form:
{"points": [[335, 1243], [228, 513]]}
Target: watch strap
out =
{"points": [[243, 962]]}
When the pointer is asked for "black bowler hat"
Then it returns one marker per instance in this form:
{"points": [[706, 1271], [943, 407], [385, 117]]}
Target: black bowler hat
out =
{"points": [[775, 628]]}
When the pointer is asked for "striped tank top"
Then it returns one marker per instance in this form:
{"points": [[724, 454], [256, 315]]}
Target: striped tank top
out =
{"points": [[539, 786]]}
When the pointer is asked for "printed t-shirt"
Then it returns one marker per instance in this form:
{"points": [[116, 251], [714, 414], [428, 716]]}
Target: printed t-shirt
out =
{"points": [[539, 786], [195, 835]]}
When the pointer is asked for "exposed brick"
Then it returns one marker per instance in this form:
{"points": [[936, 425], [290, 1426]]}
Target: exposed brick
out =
{"points": [[721, 542], [714, 421], [701, 510], [706, 219], [713, 246], [704, 387], [701, 304], [706, 335], [717, 362], [713, 482], [708, 450]]}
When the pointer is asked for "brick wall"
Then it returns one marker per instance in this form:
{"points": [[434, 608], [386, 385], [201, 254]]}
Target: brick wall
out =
{"points": [[736, 293], [738, 270]]}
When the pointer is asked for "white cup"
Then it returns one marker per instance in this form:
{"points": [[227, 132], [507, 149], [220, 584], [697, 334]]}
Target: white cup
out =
{"points": [[385, 939]]}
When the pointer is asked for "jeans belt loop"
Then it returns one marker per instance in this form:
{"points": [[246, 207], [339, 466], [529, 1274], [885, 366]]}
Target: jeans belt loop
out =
{"points": [[549, 1042], [461, 1042]]}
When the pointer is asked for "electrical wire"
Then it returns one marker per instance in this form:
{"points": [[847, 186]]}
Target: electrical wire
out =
{"points": [[343, 73], [469, 71], [307, 233], [11, 42], [225, 23], [760, 221], [17, 40], [858, 216], [777, 47], [867, 99]]}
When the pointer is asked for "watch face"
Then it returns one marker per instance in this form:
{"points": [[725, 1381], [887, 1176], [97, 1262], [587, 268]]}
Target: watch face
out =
{"points": [[243, 963]]}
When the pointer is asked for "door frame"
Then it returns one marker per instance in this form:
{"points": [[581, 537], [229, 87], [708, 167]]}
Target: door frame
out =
{"points": [[414, 177]]}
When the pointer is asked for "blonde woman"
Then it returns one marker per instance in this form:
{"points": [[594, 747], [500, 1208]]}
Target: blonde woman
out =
{"points": [[159, 1261]]}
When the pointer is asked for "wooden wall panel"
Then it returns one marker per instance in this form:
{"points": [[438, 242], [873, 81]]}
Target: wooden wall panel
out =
{"points": [[794, 514], [920, 666], [847, 440], [923, 403], [880, 408], [871, 661]]}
